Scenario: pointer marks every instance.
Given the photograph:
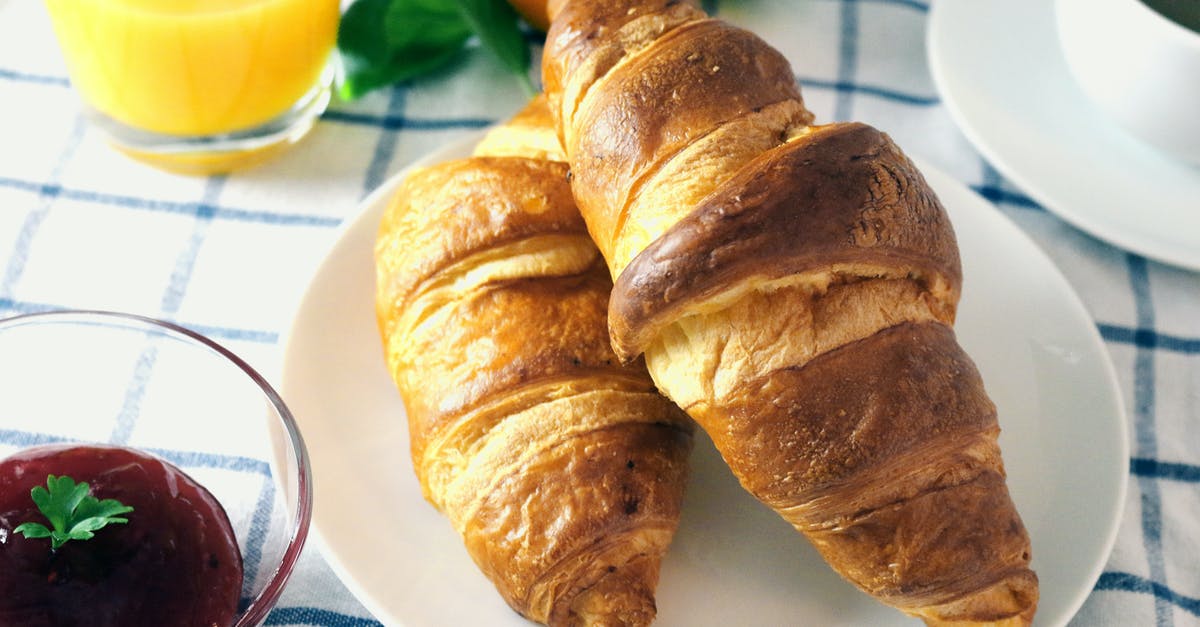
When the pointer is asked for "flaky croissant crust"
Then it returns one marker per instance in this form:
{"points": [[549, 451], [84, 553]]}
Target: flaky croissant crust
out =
{"points": [[562, 469], [793, 288]]}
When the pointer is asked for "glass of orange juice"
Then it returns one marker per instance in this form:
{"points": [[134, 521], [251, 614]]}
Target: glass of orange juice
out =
{"points": [[199, 86]]}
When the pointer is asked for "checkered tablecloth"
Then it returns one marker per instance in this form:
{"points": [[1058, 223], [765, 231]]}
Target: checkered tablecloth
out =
{"points": [[83, 227]]}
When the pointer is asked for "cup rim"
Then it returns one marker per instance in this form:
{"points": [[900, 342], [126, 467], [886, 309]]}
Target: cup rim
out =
{"points": [[1185, 35], [256, 612]]}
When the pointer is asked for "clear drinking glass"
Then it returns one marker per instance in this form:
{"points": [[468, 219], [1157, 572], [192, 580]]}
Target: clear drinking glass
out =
{"points": [[199, 86], [112, 378]]}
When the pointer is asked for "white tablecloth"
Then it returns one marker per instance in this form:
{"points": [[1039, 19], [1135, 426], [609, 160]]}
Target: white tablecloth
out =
{"points": [[83, 227]]}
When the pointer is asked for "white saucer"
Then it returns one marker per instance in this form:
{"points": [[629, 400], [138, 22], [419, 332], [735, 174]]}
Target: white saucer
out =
{"points": [[733, 561], [999, 69]]}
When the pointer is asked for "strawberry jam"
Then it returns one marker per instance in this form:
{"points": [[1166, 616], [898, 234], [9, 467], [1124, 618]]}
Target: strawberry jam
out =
{"points": [[176, 561]]}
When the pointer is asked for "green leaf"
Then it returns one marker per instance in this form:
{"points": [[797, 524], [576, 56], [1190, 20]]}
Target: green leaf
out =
{"points": [[73, 513], [57, 503], [497, 25], [386, 41], [382, 42], [108, 508], [33, 530], [424, 23]]}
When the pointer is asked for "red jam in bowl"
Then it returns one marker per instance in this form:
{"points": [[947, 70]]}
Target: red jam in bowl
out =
{"points": [[176, 561]]}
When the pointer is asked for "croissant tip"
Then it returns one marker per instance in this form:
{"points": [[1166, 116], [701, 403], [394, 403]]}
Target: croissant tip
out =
{"points": [[1011, 602], [623, 597], [628, 610]]}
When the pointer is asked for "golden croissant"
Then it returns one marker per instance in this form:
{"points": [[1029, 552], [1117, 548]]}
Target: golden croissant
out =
{"points": [[562, 470], [793, 288]]}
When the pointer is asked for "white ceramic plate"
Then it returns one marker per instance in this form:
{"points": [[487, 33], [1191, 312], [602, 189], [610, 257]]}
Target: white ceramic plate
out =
{"points": [[733, 561], [1001, 73]]}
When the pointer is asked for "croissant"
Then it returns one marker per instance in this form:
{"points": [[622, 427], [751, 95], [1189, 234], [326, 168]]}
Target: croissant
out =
{"points": [[793, 288], [562, 469]]}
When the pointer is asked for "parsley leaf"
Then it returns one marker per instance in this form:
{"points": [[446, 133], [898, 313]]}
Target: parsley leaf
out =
{"points": [[73, 513]]}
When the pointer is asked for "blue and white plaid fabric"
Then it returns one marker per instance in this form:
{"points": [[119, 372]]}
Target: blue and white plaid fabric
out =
{"points": [[83, 227]]}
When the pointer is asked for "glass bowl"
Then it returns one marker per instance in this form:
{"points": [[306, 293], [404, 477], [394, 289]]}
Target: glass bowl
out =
{"points": [[99, 377]]}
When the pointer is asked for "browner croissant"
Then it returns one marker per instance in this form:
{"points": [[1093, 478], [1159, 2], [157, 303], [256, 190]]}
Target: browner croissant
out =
{"points": [[562, 470], [792, 287]]}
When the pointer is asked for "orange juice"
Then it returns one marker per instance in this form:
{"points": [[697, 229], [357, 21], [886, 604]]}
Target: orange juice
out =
{"points": [[194, 67]]}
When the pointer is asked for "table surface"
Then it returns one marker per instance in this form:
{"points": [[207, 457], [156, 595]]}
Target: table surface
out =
{"points": [[83, 227]]}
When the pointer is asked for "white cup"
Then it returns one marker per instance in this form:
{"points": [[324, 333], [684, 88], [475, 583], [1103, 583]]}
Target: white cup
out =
{"points": [[1138, 66]]}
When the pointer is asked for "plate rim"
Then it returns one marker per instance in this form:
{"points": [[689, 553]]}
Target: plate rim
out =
{"points": [[375, 202]]}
